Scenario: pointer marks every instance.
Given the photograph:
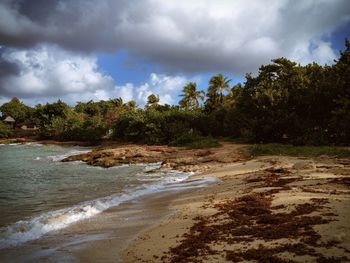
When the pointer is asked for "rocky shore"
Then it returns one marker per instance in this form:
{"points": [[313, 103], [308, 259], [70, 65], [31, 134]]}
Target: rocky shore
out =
{"points": [[182, 159]]}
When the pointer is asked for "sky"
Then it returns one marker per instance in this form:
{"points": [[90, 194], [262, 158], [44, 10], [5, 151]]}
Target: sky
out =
{"points": [[81, 50]]}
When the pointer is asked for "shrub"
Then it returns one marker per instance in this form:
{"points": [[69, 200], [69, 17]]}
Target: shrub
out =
{"points": [[157, 127], [5, 130], [192, 139]]}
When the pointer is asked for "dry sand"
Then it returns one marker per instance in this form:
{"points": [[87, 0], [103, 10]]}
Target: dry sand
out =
{"points": [[270, 209]]}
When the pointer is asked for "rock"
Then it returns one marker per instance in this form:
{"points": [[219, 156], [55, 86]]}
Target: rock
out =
{"points": [[203, 153], [303, 165], [166, 164]]}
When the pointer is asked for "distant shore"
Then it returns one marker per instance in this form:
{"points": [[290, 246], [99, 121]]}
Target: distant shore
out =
{"points": [[53, 142]]}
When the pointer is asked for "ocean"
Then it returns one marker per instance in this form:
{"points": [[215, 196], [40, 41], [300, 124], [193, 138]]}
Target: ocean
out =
{"points": [[41, 195]]}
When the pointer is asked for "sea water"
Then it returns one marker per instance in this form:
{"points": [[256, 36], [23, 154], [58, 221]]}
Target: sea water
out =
{"points": [[40, 194]]}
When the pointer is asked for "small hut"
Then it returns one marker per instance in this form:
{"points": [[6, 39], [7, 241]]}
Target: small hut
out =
{"points": [[11, 121]]}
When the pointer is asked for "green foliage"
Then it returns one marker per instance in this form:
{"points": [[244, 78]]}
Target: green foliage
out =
{"points": [[131, 104], [76, 126], [192, 139], [152, 102], [102, 107], [302, 105], [217, 85], [52, 129], [191, 96], [5, 130], [156, 126], [307, 151], [130, 126], [50, 111], [16, 109]]}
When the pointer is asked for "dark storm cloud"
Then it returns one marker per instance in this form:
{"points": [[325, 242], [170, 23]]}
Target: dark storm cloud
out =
{"points": [[77, 25], [179, 35], [7, 68]]}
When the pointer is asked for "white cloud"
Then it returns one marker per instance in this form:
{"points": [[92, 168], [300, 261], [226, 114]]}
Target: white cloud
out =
{"points": [[49, 71], [320, 51], [167, 87]]}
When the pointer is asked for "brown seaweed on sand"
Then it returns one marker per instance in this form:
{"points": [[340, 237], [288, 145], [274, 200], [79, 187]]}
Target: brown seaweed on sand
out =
{"points": [[252, 218]]}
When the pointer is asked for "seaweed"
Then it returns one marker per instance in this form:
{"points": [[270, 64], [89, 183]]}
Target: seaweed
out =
{"points": [[251, 217]]}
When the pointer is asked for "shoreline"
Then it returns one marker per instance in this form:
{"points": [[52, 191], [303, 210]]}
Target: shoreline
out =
{"points": [[101, 238], [50, 243], [107, 154], [264, 192], [23, 140]]}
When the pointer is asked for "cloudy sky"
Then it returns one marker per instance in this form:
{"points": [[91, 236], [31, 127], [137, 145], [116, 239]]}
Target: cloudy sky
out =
{"points": [[79, 50]]}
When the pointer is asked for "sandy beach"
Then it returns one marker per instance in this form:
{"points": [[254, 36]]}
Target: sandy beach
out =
{"points": [[271, 209]]}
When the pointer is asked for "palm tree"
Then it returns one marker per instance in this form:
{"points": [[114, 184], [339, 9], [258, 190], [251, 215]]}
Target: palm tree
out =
{"points": [[118, 102], [230, 99], [131, 104], [217, 85], [152, 101], [190, 96]]}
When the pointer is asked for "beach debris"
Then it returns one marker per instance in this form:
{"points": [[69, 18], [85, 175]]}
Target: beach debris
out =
{"points": [[263, 229]]}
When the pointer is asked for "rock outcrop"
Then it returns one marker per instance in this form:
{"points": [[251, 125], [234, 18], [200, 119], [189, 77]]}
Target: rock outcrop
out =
{"points": [[190, 160]]}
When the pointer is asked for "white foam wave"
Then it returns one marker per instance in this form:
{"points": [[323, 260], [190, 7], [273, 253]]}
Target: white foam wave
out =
{"points": [[34, 144], [34, 228], [60, 157]]}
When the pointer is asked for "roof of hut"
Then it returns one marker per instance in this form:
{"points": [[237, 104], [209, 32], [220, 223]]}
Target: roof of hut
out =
{"points": [[9, 119]]}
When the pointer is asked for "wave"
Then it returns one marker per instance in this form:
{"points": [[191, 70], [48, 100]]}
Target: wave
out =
{"points": [[37, 226], [60, 157], [34, 144]]}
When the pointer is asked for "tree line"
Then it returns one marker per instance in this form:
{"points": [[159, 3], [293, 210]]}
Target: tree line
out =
{"points": [[284, 102]]}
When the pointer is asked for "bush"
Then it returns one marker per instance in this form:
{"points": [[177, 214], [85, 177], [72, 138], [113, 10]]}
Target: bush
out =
{"points": [[76, 126], [52, 129], [5, 130], [83, 128], [194, 140], [130, 126], [157, 127]]}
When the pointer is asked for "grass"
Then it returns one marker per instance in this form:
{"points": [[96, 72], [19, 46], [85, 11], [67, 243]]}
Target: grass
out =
{"points": [[195, 141], [203, 143], [307, 151]]}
